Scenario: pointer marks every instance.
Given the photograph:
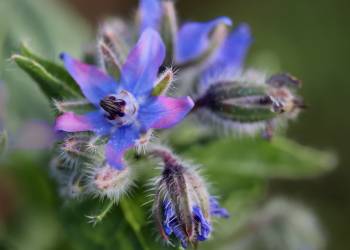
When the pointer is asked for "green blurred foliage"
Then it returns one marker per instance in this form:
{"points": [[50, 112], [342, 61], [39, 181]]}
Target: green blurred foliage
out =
{"points": [[3, 142], [43, 25]]}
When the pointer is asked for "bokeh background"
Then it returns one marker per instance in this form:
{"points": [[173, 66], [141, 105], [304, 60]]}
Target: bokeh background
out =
{"points": [[310, 39]]}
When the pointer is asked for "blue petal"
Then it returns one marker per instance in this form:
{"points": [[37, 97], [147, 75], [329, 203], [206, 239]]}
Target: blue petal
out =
{"points": [[93, 83], [178, 232], [169, 215], [171, 224], [204, 226], [216, 210], [164, 112], [123, 139], [193, 39], [150, 14], [141, 68], [231, 55]]}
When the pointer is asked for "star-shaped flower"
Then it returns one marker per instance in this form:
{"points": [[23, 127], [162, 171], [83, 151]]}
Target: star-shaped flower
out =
{"points": [[126, 109]]}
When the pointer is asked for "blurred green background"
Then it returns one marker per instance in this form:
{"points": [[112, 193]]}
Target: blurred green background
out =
{"points": [[310, 39]]}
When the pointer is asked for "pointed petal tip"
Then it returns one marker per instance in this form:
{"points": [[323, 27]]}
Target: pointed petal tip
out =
{"points": [[189, 103], [63, 55], [70, 122], [165, 112], [225, 20], [150, 31]]}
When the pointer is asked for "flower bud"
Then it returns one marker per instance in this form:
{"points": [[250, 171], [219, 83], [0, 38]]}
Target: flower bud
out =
{"points": [[109, 182], [70, 180], [79, 148], [248, 105], [116, 35], [109, 60], [73, 187], [183, 207], [169, 28]]}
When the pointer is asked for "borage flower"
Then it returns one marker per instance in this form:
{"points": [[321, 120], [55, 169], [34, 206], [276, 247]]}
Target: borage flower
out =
{"points": [[127, 109], [183, 207]]}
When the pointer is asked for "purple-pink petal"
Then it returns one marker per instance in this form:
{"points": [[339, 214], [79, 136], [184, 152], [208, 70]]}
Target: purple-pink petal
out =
{"points": [[141, 68], [93, 121], [123, 139], [93, 82], [193, 39], [164, 112], [150, 12]]}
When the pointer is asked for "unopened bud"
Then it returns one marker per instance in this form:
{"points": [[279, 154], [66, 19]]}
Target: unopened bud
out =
{"points": [[183, 207], [169, 28], [73, 188], [109, 60], [116, 34], [109, 182], [247, 106], [79, 148]]}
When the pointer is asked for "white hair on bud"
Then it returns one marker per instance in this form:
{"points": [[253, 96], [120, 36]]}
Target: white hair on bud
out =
{"points": [[78, 148], [73, 187], [214, 77], [250, 76], [107, 182], [142, 143], [229, 127]]}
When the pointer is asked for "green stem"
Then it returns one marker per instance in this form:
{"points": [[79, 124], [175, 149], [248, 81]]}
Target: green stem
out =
{"points": [[99, 217], [130, 218]]}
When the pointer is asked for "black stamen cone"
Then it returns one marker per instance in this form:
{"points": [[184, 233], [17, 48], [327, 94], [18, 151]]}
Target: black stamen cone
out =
{"points": [[114, 107]]}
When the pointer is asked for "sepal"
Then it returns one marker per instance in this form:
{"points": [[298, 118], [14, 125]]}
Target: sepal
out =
{"points": [[163, 83], [109, 60]]}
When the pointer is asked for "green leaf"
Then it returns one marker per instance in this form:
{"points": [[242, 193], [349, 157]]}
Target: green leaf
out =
{"points": [[56, 70], [3, 142], [281, 158], [52, 86]]}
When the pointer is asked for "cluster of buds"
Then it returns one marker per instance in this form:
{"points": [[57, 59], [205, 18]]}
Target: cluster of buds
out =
{"points": [[250, 104], [183, 208], [81, 169]]}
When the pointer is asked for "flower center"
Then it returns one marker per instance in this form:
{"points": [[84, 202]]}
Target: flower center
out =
{"points": [[120, 109]]}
